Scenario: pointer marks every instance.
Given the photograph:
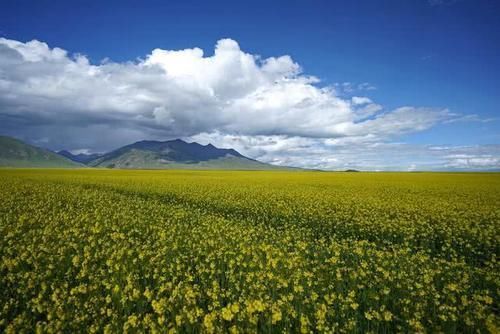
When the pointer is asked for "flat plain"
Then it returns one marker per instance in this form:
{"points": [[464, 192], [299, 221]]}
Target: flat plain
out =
{"points": [[242, 251]]}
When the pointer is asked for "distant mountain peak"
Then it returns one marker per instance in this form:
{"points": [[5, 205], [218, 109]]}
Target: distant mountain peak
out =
{"points": [[16, 153], [176, 153], [179, 141], [64, 152], [80, 157], [145, 154]]}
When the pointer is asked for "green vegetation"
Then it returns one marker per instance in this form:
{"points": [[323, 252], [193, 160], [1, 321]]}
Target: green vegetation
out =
{"points": [[139, 159], [15, 153], [271, 252], [173, 154], [177, 154]]}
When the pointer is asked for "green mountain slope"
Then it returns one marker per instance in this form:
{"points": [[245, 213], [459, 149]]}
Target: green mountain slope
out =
{"points": [[15, 153], [177, 154]]}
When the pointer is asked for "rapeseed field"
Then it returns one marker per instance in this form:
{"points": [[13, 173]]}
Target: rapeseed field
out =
{"points": [[248, 252]]}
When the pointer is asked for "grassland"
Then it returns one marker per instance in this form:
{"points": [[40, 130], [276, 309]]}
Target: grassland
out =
{"points": [[15, 153], [271, 252]]}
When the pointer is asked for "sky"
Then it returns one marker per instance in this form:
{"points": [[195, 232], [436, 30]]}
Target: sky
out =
{"points": [[371, 85]]}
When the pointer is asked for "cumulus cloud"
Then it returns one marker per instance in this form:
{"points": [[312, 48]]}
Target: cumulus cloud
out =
{"points": [[267, 107], [472, 157], [361, 153]]}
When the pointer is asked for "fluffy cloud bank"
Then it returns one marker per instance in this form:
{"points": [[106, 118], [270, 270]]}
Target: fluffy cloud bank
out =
{"points": [[359, 153], [56, 99]]}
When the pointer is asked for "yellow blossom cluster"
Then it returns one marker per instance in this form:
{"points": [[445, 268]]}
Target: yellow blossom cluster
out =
{"points": [[244, 252]]}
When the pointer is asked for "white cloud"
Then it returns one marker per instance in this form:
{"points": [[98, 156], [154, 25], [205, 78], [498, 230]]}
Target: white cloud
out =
{"points": [[471, 118], [360, 100], [266, 107], [473, 158], [359, 153], [81, 151], [366, 86]]}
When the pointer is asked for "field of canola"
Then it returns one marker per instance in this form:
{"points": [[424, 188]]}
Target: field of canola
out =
{"points": [[245, 252]]}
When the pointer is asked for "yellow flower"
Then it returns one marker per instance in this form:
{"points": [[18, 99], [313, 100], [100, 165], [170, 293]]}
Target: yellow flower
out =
{"points": [[227, 314], [255, 306], [132, 320], [147, 293], [304, 324], [387, 316], [235, 308], [208, 322], [276, 315]]}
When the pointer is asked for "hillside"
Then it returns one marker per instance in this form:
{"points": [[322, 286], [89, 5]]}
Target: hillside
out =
{"points": [[176, 154], [80, 158], [173, 154], [16, 153]]}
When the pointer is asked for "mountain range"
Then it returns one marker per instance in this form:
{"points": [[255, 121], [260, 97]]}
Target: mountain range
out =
{"points": [[80, 157], [146, 154], [15, 153]]}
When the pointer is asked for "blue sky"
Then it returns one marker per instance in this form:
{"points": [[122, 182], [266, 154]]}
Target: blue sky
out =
{"points": [[440, 55]]}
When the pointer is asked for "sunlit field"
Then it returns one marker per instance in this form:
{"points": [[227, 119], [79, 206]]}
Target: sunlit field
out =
{"points": [[270, 252]]}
